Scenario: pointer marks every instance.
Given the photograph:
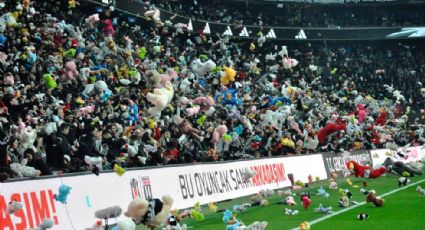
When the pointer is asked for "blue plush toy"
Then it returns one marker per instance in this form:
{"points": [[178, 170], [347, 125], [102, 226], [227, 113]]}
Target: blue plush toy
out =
{"points": [[134, 113], [230, 220], [273, 101], [106, 95], [321, 191], [64, 191]]}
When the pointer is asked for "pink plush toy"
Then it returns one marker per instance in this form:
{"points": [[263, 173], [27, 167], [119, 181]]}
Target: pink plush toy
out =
{"points": [[288, 63], [9, 79], [192, 111], [204, 102], [87, 109], [361, 113], [71, 70], [92, 19], [290, 200], [167, 77], [219, 132], [108, 28]]}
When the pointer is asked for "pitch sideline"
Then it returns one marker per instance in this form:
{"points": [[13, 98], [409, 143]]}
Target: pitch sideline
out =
{"points": [[360, 204]]}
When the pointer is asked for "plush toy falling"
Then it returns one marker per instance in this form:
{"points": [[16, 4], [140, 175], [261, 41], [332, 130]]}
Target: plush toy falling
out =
{"points": [[64, 191], [119, 170], [14, 206]]}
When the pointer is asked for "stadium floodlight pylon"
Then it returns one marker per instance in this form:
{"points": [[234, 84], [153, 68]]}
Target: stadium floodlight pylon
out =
{"points": [[228, 31], [244, 33], [301, 35], [190, 26], [271, 34], [207, 29]]}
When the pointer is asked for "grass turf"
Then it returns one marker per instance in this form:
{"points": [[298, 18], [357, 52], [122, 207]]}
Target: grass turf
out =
{"points": [[404, 209]]}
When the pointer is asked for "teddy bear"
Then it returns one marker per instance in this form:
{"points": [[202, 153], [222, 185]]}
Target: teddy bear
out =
{"points": [[28, 137], [186, 128], [151, 212], [289, 201], [160, 98], [202, 68], [71, 70], [154, 14], [219, 132]]}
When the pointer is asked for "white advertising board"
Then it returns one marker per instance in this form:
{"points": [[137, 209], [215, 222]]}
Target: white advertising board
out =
{"points": [[202, 183]]}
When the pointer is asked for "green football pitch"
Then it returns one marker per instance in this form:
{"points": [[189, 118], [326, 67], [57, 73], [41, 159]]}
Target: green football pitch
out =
{"points": [[404, 208]]}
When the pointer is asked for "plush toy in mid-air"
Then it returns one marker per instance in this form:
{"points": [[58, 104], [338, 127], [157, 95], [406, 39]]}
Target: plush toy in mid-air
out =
{"points": [[45, 224], [14, 206], [365, 171], [372, 198], [64, 191], [151, 212]]}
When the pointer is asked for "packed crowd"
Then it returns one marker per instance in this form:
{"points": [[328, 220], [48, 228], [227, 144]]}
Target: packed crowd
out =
{"points": [[298, 14], [87, 88]]}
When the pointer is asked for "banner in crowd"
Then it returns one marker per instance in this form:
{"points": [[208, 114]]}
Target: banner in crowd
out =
{"points": [[336, 162], [202, 183], [412, 154], [283, 33]]}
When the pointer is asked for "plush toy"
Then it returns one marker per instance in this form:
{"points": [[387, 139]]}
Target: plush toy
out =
{"points": [[125, 225], [160, 98], [420, 190], [333, 185], [403, 181], [154, 14], [330, 128], [151, 212], [196, 215], [305, 199], [49, 81], [108, 28], [212, 207], [247, 174], [88, 109], [134, 112], [202, 68], [119, 170], [266, 192], [289, 63], [192, 111], [71, 70], [364, 191], [14, 206], [361, 113], [92, 19], [257, 225], [95, 163], [239, 208], [324, 210], [45, 224], [107, 213], [230, 219], [372, 198], [167, 77], [362, 216], [365, 171], [9, 79], [22, 170], [218, 133], [291, 212], [304, 226], [344, 202], [400, 167], [228, 76], [290, 201], [186, 127], [64, 191], [205, 103], [322, 192]]}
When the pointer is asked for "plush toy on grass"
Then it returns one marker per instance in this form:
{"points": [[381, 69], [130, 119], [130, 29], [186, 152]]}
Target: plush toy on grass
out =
{"points": [[364, 191], [305, 199], [291, 212], [365, 171], [266, 192], [324, 210], [322, 192], [289, 201], [362, 216], [420, 190], [212, 207], [230, 219], [151, 212], [372, 198], [403, 181], [239, 208], [14, 206], [64, 191], [333, 185], [304, 226]]}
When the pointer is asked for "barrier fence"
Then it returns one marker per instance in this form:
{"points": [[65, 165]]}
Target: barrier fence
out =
{"points": [[187, 184]]}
